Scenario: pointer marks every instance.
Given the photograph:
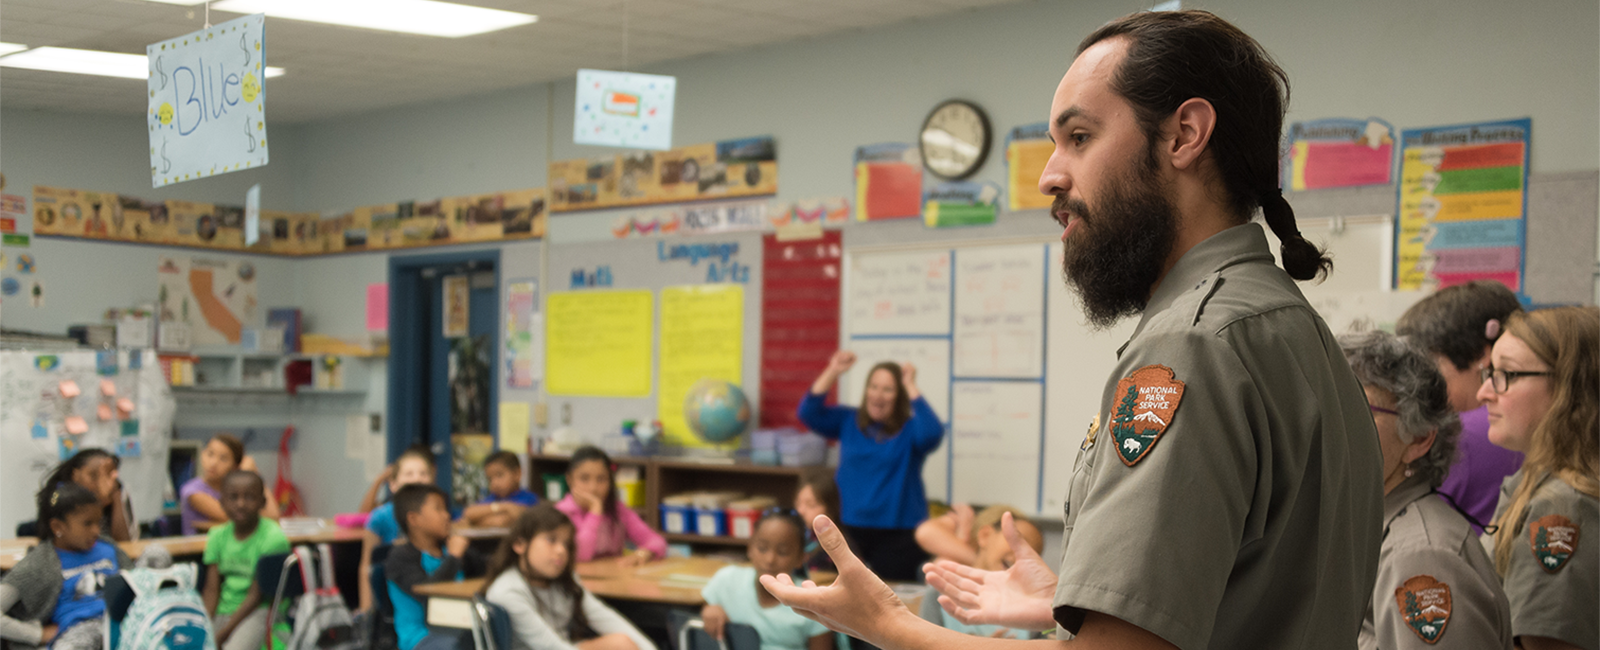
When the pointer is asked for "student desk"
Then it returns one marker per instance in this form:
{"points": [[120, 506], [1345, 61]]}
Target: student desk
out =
{"points": [[672, 581]]}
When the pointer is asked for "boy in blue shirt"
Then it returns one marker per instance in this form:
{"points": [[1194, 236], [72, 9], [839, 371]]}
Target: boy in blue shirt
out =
{"points": [[431, 554], [507, 498]]}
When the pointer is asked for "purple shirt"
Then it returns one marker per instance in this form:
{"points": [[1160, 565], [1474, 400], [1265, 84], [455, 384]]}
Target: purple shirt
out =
{"points": [[1474, 481], [198, 485]]}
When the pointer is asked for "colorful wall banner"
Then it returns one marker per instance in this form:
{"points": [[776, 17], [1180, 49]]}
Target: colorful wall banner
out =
{"points": [[207, 97], [524, 352], [623, 109], [888, 182], [1463, 205], [961, 203], [497, 216], [1332, 153], [726, 169], [1028, 149]]}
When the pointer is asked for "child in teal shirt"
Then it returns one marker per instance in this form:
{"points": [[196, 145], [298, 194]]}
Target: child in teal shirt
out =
{"points": [[735, 594], [232, 550]]}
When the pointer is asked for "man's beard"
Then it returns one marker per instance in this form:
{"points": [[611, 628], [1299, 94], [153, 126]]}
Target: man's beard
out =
{"points": [[1121, 247]]}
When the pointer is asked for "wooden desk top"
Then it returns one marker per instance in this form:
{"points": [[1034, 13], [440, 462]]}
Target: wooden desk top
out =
{"points": [[672, 581], [12, 550]]}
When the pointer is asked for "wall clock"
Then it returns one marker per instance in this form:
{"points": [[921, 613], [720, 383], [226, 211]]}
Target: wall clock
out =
{"points": [[955, 139]]}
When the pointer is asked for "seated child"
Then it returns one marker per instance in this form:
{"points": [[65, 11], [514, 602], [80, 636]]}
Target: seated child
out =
{"points": [[992, 553], [97, 470], [532, 578], [232, 598], [415, 466], [201, 496], [818, 495], [430, 554], [956, 535], [735, 593], [600, 521], [507, 498], [53, 596]]}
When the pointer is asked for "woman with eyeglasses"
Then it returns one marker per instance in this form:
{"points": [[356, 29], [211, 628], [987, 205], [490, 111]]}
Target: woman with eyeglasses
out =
{"points": [[1542, 389], [1436, 586]]}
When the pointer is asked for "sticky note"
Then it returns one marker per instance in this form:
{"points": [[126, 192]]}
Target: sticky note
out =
{"points": [[76, 425], [125, 407], [103, 412], [69, 389], [108, 388]]}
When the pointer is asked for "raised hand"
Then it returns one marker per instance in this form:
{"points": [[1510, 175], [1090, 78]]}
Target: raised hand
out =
{"points": [[841, 362], [1019, 597]]}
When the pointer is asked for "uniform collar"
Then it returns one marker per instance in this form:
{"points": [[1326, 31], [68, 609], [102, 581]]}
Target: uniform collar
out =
{"points": [[1242, 243], [1403, 495]]}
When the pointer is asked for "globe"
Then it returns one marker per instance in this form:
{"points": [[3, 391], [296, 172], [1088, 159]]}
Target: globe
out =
{"points": [[716, 410]]}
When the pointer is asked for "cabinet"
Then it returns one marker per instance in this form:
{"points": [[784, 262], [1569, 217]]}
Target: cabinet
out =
{"points": [[666, 476], [258, 373]]}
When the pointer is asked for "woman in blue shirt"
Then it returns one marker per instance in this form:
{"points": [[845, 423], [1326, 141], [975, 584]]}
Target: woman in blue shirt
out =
{"points": [[882, 446]]}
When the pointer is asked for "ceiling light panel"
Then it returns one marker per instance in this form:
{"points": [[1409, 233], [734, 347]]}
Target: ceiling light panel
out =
{"points": [[94, 62], [425, 17], [11, 48]]}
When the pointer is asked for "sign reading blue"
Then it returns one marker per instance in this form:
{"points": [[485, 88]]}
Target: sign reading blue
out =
{"points": [[207, 102]]}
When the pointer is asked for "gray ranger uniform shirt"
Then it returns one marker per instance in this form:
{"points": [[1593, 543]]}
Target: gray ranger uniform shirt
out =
{"points": [[1436, 587], [1553, 581], [1230, 496]]}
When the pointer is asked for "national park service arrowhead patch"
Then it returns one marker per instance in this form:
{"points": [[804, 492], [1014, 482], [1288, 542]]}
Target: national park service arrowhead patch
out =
{"points": [[1424, 606], [1146, 401], [1553, 538]]}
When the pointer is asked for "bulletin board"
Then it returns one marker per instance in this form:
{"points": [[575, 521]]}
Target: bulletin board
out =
{"points": [[30, 389], [684, 270]]}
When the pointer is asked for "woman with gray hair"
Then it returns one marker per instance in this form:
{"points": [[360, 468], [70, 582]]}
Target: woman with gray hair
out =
{"points": [[1436, 587]]}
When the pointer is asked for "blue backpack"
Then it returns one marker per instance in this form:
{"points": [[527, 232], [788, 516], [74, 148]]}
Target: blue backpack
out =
{"points": [[167, 613]]}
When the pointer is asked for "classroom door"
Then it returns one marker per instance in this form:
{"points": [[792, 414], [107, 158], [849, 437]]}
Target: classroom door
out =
{"points": [[444, 344]]}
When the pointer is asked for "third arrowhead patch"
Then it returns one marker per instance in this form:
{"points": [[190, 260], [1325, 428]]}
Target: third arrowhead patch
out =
{"points": [[1146, 402], [1553, 538]]}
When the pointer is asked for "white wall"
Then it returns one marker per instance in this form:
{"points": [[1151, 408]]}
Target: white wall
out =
{"points": [[1418, 63]]}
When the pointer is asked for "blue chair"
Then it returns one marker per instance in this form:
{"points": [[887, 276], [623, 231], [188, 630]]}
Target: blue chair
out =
{"points": [[689, 632], [382, 635]]}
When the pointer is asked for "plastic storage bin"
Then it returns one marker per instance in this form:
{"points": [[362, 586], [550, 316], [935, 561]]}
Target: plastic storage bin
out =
{"points": [[711, 512], [802, 450], [678, 515], [743, 515]]}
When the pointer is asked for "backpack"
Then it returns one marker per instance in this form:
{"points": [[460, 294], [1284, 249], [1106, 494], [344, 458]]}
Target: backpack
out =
{"points": [[321, 620], [167, 613]]}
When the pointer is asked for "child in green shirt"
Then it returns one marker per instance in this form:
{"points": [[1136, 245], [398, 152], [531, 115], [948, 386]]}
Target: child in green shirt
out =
{"points": [[232, 550]]}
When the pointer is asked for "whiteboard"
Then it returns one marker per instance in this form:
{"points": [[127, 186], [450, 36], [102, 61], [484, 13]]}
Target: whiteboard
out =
{"points": [[30, 394], [999, 312], [899, 293], [994, 438], [1079, 361], [932, 358]]}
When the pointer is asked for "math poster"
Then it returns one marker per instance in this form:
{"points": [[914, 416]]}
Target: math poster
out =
{"points": [[1028, 149], [599, 343], [1462, 205], [1325, 154], [207, 100]]}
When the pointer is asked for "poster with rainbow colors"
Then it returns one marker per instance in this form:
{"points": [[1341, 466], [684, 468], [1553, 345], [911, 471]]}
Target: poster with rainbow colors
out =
{"points": [[1462, 205]]}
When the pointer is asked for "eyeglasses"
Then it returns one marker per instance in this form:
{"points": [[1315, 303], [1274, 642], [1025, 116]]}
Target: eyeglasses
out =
{"points": [[1380, 409], [1502, 378]]}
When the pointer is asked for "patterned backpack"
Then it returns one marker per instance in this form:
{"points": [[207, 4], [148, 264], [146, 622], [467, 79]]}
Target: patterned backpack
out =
{"points": [[167, 613], [321, 620]]}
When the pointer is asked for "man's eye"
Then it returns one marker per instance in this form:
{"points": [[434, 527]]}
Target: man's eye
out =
{"points": [[1079, 138]]}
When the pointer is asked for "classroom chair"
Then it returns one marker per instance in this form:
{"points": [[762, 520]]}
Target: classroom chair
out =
{"points": [[689, 633], [278, 581], [381, 635], [28, 528]]}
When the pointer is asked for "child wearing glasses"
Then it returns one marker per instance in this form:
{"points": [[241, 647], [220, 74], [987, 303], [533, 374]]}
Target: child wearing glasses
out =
{"points": [[735, 593], [1542, 390], [1455, 327]]}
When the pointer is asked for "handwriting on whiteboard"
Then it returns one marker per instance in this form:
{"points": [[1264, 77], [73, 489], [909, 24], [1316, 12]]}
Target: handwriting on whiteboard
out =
{"points": [[900, 293], [999, 312]]}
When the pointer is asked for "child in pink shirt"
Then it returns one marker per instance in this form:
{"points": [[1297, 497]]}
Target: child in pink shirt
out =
{"points": [[601, 522]]}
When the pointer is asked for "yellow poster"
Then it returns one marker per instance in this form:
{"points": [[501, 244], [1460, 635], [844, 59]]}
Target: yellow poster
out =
{"points": [[1028, 149], [702, 337], [515, 419], [598, 343]]}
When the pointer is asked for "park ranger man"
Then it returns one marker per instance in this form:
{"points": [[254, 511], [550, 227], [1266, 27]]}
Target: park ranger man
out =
{"points": [[1228, 494]]}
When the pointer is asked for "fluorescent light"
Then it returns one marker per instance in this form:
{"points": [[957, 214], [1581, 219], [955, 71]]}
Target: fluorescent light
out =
{"points": [[178, 2], [65, 59], [11, 48], [105, 64], [426, 17]]}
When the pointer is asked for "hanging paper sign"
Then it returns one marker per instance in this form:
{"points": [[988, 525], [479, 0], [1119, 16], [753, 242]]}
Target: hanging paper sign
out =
{"points": [[1462, 205], [252, 215], [1028, 149], [207, 97], [960, 204], [1338, 153], [624, 109]]}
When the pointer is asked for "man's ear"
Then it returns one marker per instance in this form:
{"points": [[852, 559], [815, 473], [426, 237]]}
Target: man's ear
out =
{"points": [[1187, 132]]}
